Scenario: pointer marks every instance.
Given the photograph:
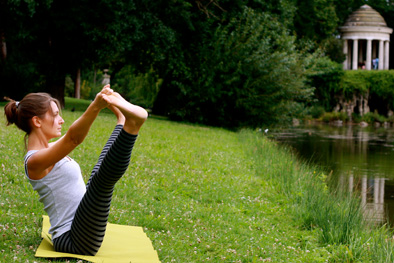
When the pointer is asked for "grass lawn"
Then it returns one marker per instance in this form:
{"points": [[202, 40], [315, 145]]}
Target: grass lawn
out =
{"points": [[200, 193]]}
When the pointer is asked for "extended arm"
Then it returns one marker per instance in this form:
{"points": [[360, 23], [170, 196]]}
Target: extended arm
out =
{"points": [[42, 161]]}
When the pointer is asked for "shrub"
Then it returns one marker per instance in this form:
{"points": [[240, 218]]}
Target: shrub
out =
{"points": [[140, 89], [356, 118], [332, 82], [326, 77], [377, 83], [372, 117], [334, 116], [316, 111], [390, 119]]}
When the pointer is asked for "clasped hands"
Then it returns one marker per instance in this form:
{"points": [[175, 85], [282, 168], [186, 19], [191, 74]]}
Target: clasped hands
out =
{"points": [[105, 97]]}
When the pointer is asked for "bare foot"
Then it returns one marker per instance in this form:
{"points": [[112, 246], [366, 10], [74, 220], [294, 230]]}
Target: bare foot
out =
{"points": [[119, 115], [135, 115]]}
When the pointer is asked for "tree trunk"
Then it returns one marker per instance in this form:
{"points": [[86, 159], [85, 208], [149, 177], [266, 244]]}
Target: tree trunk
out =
{"points": [[94, 78], [55, 86], [3, 16], [77, 88], [3, 46]]}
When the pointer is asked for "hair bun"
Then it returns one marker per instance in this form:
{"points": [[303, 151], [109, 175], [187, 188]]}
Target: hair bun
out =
{"points": [[11, 111]]}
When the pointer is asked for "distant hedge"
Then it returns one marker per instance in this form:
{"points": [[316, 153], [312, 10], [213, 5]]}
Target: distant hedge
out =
{"points": [[377, 82], [333, 82]]}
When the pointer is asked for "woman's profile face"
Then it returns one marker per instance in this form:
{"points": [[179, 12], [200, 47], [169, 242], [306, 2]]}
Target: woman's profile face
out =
{"points": [[52, 122]]}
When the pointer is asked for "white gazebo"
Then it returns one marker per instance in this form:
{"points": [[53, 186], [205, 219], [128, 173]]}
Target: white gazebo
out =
{"points": [[366, 40]]}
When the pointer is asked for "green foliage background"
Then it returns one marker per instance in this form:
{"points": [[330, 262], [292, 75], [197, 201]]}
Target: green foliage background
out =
{"points": [[223, 63], [248, 75]]}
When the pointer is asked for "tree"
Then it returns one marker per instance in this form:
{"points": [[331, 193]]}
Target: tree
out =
{"points": [[315, 19], [49, 39], [248, 74], [198, 48]]}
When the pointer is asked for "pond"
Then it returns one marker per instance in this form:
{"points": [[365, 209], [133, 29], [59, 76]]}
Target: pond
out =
{"points": [[358, 159]]}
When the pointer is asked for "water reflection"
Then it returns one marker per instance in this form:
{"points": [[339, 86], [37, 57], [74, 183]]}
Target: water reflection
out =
{"points": [[372, 192], [360, 160], [374, 205]]}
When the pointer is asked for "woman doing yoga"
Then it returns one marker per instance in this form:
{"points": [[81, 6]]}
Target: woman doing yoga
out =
{"points": [[78, 213]]}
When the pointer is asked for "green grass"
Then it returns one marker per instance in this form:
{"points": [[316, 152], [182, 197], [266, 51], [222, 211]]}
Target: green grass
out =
{"points": [[201, 194], [337, 217]]}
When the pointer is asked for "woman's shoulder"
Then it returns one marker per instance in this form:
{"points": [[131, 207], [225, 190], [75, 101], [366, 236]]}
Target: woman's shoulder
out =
{"points": [[53, 170], [29, 153]]}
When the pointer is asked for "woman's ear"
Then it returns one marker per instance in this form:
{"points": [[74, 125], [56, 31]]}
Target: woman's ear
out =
{"points": [[36, 122]]}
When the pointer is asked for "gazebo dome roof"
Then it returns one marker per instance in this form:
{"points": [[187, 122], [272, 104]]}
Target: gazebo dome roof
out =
{"points": [[365, 16]]}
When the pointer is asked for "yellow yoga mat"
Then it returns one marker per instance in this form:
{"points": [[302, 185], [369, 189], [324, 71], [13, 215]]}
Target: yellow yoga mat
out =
{"points": [[121, 244]]}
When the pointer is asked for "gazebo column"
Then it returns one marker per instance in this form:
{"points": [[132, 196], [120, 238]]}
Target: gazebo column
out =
{"points": [[386, 54], [346, 52], [381, 58], [355, 54], [369, 54]]}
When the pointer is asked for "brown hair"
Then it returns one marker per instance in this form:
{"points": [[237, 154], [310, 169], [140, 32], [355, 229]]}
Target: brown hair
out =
{"points": [[33, 104]]}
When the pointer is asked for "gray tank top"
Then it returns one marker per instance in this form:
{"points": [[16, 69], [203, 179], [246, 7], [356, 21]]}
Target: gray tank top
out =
{"points": [[61, 191]]}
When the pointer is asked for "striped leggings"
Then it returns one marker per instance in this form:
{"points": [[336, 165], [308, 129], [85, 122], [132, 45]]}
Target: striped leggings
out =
{"points": [[90, 220]]}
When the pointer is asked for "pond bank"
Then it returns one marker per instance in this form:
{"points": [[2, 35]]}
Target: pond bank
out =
{"points": [[358, 159], [336, 218]]}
